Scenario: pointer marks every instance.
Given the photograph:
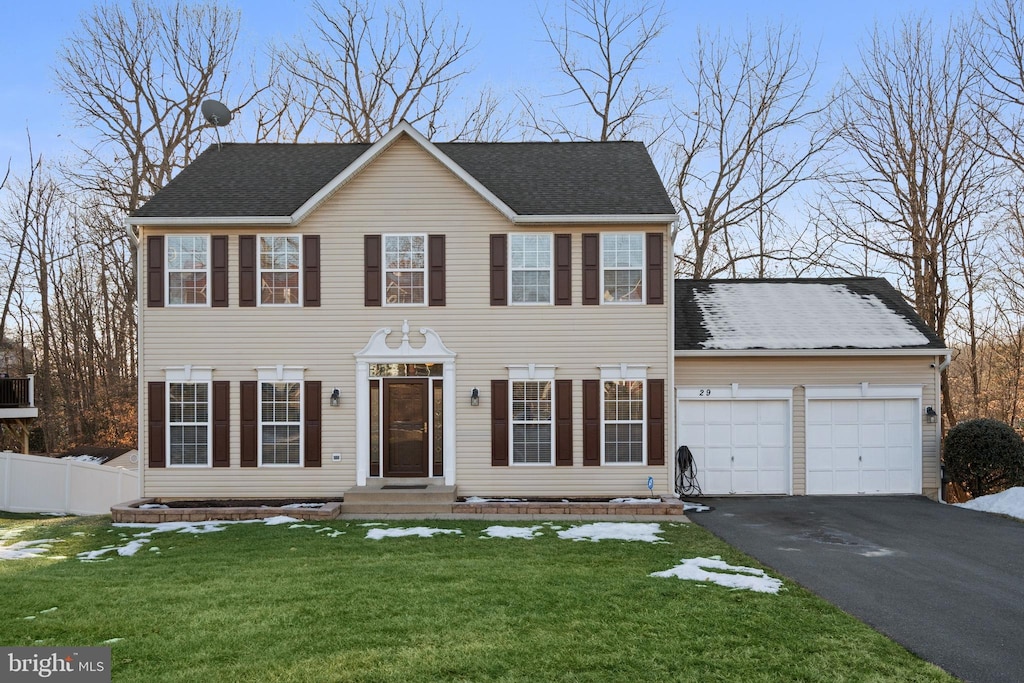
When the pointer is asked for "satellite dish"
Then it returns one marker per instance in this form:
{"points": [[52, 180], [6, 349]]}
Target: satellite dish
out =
{"points": [[216, 114]]}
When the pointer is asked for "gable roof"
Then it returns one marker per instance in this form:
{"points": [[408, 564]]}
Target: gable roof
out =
{"points": [[737, 316], [541, 180]]}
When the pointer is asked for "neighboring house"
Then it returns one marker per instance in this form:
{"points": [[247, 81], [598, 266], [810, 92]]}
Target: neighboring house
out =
{"points": [[496, 316], [111, 456], [810, 386]]}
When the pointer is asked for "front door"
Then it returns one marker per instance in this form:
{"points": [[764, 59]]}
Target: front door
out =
{"points": [[406, 414]]}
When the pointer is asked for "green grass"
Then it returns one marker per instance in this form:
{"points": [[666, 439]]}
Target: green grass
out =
{"points": [[256, 603]]}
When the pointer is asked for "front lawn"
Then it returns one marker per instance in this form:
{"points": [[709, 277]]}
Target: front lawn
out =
{"points": [[274, 603]]}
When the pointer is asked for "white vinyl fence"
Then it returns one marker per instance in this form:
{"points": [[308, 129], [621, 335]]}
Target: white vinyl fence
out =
{"points": [[33, 483]]}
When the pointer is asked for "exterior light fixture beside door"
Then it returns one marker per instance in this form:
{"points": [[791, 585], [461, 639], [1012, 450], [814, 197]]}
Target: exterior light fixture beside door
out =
{"points": [[336, 398], [930, 414], [474, 397]]}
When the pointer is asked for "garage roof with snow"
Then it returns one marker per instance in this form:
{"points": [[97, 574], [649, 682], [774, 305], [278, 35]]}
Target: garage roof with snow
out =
{"points": [[794, 314]]}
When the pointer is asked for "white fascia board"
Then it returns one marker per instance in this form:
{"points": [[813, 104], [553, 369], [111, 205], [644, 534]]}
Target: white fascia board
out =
{"points": [[740, 353], [376, 149], [188, 222], [597, 218]]}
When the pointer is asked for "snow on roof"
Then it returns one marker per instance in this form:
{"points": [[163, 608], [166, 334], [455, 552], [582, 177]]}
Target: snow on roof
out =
{"points": [[789, 315]]}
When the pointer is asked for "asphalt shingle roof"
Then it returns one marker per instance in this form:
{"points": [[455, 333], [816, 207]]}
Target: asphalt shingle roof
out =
{"points": [[533, 178], [791, 313]]}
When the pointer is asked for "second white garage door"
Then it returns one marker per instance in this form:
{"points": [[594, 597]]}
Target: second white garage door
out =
{"points": [[863, 446], [739, 446]]}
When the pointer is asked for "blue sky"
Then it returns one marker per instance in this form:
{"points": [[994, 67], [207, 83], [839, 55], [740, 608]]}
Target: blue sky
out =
{"points": [[507, 33]]}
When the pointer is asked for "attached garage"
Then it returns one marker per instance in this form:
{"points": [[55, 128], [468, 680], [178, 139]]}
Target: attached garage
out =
{"points": [[806, 387], [740, 444], [859, 444]]}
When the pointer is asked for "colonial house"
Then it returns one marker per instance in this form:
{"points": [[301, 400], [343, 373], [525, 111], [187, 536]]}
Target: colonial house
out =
{"points": [[497, 317]]}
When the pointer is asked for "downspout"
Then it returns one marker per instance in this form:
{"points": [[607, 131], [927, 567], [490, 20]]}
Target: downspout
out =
{"points": [[135, 238], [938, 423]]}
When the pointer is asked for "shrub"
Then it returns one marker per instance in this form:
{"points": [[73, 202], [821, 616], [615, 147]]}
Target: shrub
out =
{"points": [[984, 456]]}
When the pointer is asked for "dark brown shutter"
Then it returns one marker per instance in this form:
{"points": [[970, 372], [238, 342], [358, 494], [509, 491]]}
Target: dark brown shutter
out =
{"points": [[563, 422], [247, 270], [563, 270], [655, 422], [591, 422], [155, 272], [219, 271], [499, 422], [313, 406], [591, 269], [311, 270], [249, 395], [435, 269], [371, 270], [221, 424], [157, 426], [655, 268], [499, 270]]}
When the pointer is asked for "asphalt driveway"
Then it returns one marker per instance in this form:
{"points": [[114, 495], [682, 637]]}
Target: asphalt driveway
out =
{"points": [[944, 582]]}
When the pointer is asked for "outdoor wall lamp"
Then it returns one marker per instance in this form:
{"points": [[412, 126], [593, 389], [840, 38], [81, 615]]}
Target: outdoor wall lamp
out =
{"points": [[474, 397], [336, 397], [930, 414]]}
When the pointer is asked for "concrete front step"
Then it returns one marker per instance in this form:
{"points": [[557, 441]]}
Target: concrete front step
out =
{"points": [[405, 508], [403, 492]]}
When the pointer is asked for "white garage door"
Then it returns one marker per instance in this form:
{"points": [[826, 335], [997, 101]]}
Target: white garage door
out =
{"points": [[863, 446], [739, 446]]}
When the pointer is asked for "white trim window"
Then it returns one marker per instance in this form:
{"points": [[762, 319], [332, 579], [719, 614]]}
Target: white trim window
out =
{"points": [[405, 270], [530, 267], [623, 414], [189, 431], [280, 423], [622, 267], [280, 267], [533, 430], [188, 264]]}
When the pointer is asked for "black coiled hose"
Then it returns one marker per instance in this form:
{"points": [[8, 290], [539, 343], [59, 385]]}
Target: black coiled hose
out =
{"points": [[686, 475]]}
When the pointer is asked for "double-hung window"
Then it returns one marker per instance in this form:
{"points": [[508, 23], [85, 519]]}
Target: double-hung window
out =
{"points": [[532, 404], [189, 427], [280, 422], [622, 267], [187, 270], [623, 413], [280, 263], [405, 269], [530, 265]]}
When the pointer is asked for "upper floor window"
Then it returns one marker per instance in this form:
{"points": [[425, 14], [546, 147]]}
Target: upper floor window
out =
{"points": [[622, 267], [187, 269], [280, 262], [530, 269], [188, 423], [405, 267]]}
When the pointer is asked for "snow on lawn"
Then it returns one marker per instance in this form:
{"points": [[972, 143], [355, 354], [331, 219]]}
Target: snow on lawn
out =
{"points": [[23, 550], [614, 531], [421, 531], [511, 532], [728, 575], [1009, 502]]}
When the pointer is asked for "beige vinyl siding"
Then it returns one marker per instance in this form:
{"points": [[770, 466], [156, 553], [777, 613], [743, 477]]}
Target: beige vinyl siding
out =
{"points": [[796, 373], [406, 191]]}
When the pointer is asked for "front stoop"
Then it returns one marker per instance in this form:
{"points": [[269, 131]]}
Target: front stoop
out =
{"points": [[399, 496]]}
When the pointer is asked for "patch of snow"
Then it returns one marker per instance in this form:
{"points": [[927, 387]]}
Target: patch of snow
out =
{"points": [[728, 575], [154, 506], [304, 526], [47, 611], [614, 531], [22, 550], [302, 505], [280, 519], [84, 458], [478, 499], [29, 618], [1009, 502], [636, 500], [111, 641], [154, 549], [526, 532], [372, 524], [421, 531], [694, 507], [78, 533], [787, 315], [55, 514]]}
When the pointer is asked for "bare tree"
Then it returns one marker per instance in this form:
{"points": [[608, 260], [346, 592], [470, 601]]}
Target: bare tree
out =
{"points": [[913, 117], [601, 47], [367, 67], [746, 135], [999, 50], [135, 75]]}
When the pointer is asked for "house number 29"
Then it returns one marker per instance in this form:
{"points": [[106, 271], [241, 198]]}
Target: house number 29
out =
{"points": [[704, 392]]}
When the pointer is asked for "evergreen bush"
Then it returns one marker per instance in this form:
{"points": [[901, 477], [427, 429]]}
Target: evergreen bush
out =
{"points": [[984, 456]]}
